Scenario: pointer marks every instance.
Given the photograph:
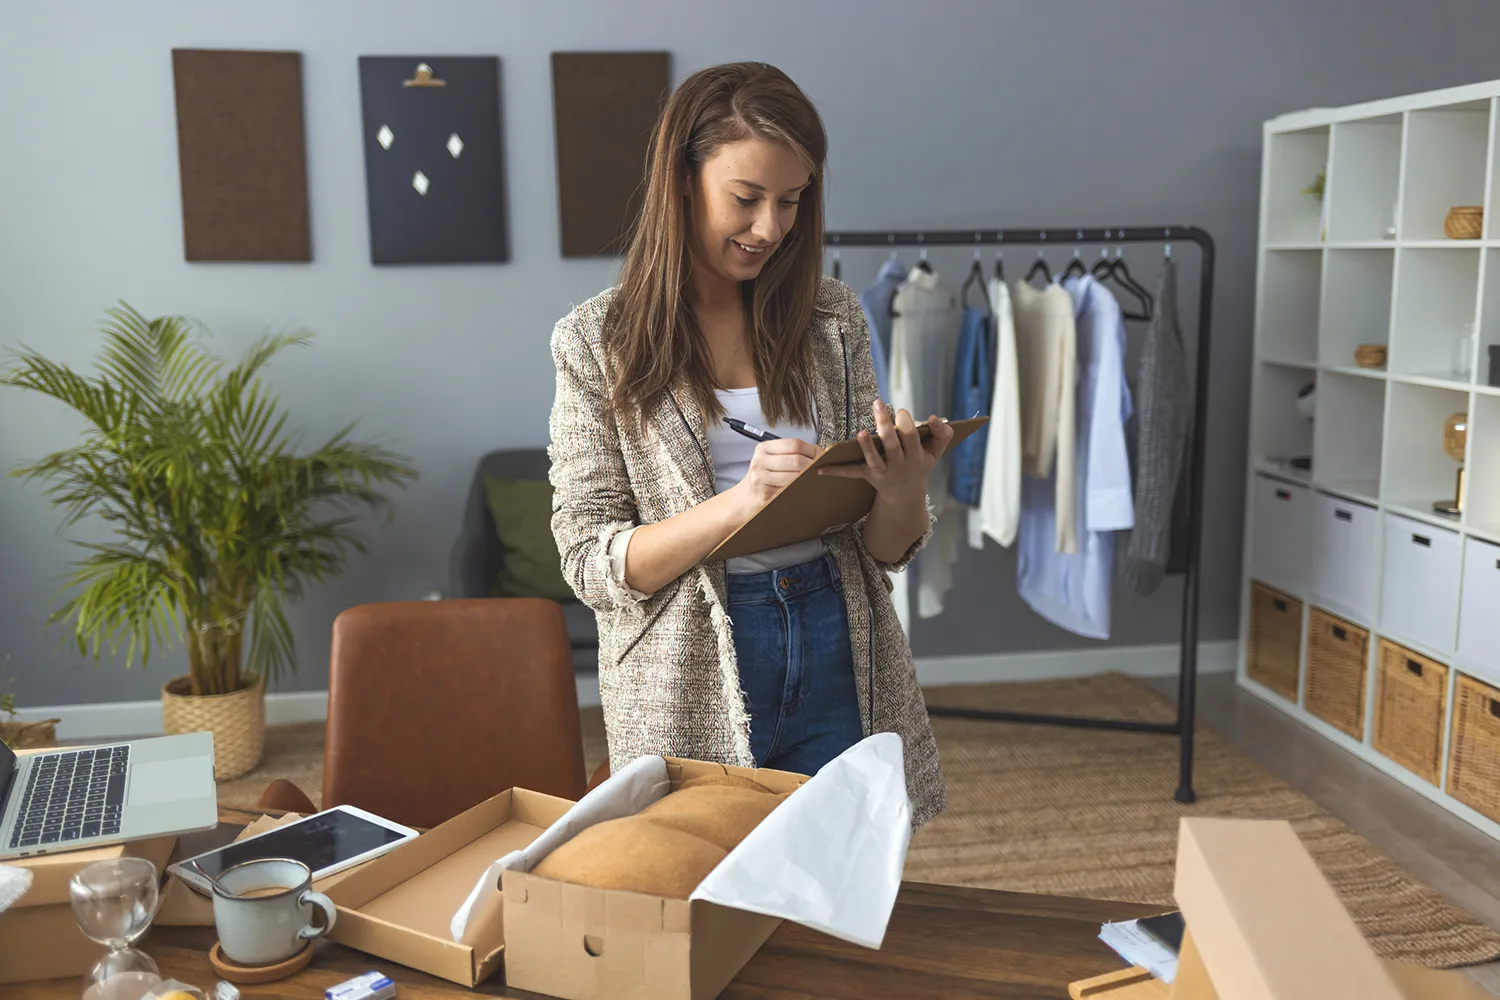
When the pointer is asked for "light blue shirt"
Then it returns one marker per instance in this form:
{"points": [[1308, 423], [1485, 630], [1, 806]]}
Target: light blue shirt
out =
{"points": [[1073, 591]]}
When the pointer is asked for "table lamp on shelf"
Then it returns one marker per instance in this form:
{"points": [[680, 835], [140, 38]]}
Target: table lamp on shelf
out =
{"points": [[1455, 438]]}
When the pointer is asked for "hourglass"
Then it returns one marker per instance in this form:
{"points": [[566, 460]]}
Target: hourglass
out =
{"points": [[114, 902]]}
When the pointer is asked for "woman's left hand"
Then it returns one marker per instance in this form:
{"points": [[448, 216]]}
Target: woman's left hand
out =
{"points": [[900, 475]]}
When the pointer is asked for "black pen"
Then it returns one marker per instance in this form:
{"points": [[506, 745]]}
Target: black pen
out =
{"points": [[750, 431]]}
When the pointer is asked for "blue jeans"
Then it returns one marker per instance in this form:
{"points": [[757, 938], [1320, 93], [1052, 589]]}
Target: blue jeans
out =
{"points": [[791, 637]]}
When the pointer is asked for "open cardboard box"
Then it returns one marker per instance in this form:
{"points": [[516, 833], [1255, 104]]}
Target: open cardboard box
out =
{"points": [[39, 936], [399, 905], [593, 944], [1264, 924]]}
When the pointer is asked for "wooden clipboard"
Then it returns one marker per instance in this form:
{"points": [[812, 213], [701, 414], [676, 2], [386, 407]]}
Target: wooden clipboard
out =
{"points": [[812, 505]]}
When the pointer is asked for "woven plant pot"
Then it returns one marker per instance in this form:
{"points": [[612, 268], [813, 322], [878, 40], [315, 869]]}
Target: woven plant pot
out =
{"points": [[1465, 222], [237, 720], [27, 735]]}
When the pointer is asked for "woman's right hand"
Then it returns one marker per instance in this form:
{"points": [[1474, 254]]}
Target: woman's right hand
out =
{"points": [[774, 464]]}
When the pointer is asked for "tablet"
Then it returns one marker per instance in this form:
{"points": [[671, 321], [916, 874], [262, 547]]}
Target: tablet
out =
{"points": [[327, 842]]}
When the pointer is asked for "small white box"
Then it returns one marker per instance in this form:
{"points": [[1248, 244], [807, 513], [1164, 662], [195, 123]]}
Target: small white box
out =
{"points": [[1345, 537], [1479, 612], [1278, 553], [1419, 591]]}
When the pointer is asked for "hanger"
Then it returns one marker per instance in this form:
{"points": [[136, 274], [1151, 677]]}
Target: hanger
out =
{"points": [[922, 261], [836, 267], [1039, 266], [999, 265], [1075, 268], [1117, 270], [976, 276]]}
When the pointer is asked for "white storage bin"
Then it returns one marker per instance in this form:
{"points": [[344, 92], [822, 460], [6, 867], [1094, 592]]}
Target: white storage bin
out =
{"points": [[1419, 590], [1345, 536], [1279, 544], [1479, 613]]}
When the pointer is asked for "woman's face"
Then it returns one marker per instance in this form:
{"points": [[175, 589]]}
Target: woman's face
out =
{"points": [[744, 201]]}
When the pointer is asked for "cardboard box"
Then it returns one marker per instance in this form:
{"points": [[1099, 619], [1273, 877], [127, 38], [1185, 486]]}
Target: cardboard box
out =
{"points": [[593, 944], [399, 906], [1264, 924], [39, 936]]}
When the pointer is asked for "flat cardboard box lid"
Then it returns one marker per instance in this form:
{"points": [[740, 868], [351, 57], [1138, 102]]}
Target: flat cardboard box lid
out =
{"points": [[50, 872], [399, 906]]}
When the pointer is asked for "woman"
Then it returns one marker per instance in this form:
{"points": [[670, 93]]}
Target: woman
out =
{"points": [[784, 658]]}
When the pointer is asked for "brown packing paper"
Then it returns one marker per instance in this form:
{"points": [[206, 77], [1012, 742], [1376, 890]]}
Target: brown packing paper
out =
{"points": [[813, 504]]}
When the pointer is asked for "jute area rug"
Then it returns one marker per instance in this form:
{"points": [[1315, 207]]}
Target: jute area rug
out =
{"points": [[1083, 813]]}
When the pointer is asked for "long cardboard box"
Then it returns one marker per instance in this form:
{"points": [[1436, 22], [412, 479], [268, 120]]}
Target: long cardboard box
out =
{"points": [[399, 906], [580, 943], [39, 936]]}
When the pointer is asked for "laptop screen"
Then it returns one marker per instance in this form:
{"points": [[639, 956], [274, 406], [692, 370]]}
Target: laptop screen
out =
{"points": [[7, 772]]}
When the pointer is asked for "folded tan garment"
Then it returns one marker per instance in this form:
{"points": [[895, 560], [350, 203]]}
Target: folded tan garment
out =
{"points": [[720, 814], [634, 854]]}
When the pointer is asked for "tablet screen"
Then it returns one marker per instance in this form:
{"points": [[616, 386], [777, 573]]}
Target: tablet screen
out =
{"points": [[319, 842]]}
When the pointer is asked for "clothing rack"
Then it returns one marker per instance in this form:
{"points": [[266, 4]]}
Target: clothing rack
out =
{"points": [[1187, 676]]}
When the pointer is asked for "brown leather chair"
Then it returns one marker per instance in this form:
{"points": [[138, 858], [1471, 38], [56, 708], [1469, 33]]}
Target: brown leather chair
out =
{"points": [[434, 706]]}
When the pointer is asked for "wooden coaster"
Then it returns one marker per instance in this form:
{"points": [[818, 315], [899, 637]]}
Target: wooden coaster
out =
{"points": [[252, 974]]}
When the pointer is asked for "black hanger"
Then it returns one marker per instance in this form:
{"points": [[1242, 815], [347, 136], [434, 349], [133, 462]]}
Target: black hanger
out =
{"points": [[1039, 267], [976, 276], [1075, 268], [1116, 269], [999, 265], [836, 268], [922, 262]]}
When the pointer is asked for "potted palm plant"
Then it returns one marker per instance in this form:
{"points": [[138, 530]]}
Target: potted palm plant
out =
{"points": [[217, 516]]}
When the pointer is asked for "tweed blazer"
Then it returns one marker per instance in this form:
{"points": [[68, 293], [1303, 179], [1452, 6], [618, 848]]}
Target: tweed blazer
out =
{"points": [[668, 679]]}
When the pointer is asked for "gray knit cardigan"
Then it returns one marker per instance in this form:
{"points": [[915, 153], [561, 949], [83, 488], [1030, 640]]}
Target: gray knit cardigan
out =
{"points": [[667, 674]]}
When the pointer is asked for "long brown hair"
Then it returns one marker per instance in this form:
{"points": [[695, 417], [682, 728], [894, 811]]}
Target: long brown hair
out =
{"points": [[651, 333]]}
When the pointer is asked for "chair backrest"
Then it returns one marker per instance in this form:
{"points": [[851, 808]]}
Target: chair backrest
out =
{"points": [[477, 555], [434, 706]]}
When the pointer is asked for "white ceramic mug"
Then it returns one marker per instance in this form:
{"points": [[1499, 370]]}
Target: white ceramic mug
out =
{"points": [[263, 911]]}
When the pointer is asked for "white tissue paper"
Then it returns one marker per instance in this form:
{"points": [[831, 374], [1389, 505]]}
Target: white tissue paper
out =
{"points": [[830, 857], [13, 885]]}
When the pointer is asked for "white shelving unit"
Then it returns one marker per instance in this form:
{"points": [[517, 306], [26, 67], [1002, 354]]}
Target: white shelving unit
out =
{"points": [[1340, 507]]}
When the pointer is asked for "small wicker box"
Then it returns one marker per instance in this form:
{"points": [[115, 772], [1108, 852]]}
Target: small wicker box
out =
{"points": [[1275, 640], [1464, 222], [1409, 710], [1370, 355], [1474, 760], [1337, 654]]}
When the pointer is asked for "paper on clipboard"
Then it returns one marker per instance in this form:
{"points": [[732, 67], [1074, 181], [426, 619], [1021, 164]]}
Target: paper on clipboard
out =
{"points": [[812, 504]]}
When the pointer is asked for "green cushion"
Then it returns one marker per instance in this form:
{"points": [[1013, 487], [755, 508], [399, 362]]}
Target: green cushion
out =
{"points": [[531, 567]]}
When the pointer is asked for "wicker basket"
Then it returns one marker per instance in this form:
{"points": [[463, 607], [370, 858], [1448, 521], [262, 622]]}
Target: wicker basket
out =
{"points": [[26, 735], [1474, 760], [1275, 640], [1370, 355], [1337, 653], [1466, 222], [237, 720], [1409, 710]]}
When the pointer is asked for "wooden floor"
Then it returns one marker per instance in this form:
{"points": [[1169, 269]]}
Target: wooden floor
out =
{"points": [[1433, 844]]}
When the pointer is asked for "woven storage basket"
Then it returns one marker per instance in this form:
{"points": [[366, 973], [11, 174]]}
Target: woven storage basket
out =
{"points": [[1275, 640], [237, 720], [1370, 355], [1336, 669], [1409, 710], [1465, 222], [27, 735], [1474, 760]]}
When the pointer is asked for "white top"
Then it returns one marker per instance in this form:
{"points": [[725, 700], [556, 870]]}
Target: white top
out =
{"points": [[999, 510], [730, 453]]}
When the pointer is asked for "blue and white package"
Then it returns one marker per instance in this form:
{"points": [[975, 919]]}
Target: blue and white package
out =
{"points": [[370, 986]]}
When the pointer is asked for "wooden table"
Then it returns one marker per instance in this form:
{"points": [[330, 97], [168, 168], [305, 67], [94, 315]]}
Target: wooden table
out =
{"points": [[943, 941]]}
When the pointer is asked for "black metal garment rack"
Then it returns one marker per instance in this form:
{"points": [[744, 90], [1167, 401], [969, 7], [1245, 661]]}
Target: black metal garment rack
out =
{"points": [[1187, 679]]}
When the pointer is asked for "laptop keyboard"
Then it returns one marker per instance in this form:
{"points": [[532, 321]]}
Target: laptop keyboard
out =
{"points": [[72, 795]]}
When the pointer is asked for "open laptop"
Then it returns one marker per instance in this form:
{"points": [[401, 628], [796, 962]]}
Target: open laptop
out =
{"points": [[66, 799]]}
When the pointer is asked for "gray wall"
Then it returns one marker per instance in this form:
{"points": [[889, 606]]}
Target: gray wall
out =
{"points": [[940, 114]]}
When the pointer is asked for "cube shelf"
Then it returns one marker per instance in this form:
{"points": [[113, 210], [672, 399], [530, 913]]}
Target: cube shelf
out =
{"points": [[1447, 150], [1356, 305], [1389, 603], [1436, 300], [1289, 303], [1295, 161], [1419, 471], [1347, 433], [1363, 179]]}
